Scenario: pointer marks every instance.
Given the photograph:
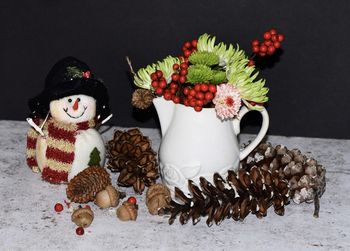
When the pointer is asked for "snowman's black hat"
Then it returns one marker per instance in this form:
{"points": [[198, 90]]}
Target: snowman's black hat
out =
{"points": [[70, 76]]}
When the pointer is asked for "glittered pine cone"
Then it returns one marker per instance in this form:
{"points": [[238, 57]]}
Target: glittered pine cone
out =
{"points": [[130, 153], [142, 98], [306, 178], [86, 184]]}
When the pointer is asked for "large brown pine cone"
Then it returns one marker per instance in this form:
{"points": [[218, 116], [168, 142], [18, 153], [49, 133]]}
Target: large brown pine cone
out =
{"points": [[234, 197], [130, 153], [86, 184]]}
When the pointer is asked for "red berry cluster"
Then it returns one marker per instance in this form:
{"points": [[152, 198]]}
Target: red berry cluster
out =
{"points": [[189, 47], [199, 96], [158, 82], [272, 41]]}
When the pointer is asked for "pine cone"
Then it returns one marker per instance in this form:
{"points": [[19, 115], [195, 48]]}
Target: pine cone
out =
{"points": [[86, 184], [130, 153], [305, 176], [237, 196], [142, 98]]}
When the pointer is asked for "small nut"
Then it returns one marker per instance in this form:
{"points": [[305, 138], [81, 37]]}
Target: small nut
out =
{"points": [[127, 211], [83, 217], [107, 198]]}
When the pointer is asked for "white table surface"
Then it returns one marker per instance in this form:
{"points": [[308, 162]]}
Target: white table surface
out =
{"points": [[29, 222]]}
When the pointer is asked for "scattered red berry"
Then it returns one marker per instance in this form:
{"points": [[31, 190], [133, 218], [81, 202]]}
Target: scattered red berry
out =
{"points": [[132, 200], [79, 231], [58, 207]]}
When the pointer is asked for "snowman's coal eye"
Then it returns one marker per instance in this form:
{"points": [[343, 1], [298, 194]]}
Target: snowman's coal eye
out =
{"points": [[70, 100], [78, 99]]}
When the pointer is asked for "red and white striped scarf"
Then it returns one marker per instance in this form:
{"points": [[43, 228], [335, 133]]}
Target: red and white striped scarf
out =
{"points": [[60, 140]]}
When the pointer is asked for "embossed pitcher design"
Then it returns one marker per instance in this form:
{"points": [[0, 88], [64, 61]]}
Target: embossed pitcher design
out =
{"points": [[198, 144]]}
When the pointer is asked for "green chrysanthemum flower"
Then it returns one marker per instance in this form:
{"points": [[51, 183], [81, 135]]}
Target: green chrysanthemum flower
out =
{"points": [[218, 77], [199, 74], [204, 57]]}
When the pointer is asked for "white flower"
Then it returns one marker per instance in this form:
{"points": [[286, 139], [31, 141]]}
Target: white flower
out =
{"points": [[227, 101]]}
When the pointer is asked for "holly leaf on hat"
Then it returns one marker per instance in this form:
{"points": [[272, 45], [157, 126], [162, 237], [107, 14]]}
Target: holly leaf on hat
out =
{"points": [[74, 72]]}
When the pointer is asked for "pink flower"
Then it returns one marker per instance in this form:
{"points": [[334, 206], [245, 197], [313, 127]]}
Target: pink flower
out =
{"points": [[227, 101]]}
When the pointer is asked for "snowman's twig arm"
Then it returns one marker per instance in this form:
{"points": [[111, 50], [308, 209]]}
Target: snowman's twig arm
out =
{"points": [[106, 119], [35, 126]]}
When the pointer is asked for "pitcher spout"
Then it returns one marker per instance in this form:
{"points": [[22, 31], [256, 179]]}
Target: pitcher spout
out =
{"points": [[165, 111]]}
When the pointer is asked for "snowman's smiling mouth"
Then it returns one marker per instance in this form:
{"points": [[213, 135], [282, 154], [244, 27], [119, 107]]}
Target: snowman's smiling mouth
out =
{"points": [[74, 117]]}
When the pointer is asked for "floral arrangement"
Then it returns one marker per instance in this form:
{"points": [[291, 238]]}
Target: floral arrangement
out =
{"points": [[208, 75]]}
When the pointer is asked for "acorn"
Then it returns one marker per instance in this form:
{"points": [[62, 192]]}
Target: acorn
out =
{"points": [[83, 217], [157, 198], [127, 211], [107, 198]]}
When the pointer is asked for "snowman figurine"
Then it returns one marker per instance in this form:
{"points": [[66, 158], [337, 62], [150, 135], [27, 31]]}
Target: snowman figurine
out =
{"points": [[63, 119]]}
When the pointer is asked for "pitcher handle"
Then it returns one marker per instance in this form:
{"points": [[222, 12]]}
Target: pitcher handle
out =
{"points": [[265, 125]]}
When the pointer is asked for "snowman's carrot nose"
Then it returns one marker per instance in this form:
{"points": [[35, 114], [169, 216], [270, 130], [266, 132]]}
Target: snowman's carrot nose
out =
{"points": [[76, 105]]}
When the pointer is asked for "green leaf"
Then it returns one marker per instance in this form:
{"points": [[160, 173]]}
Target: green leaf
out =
{"points": [[204, 57], [95, 158], [74, 72]]}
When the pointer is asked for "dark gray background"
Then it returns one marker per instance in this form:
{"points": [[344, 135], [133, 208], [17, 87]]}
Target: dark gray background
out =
{"points": [[309, 86]]}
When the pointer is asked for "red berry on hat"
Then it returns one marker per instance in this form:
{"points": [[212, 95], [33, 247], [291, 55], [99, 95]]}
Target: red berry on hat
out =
{"points": [[273, 31], [198, 108], [280, 37], [277, 44], [251, 62], [194, 43], [176, 66], [256, 49], [271, 50]]}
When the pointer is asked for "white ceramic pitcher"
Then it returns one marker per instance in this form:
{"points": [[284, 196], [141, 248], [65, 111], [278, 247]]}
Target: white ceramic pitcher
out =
{"points": [[198, 144]]}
